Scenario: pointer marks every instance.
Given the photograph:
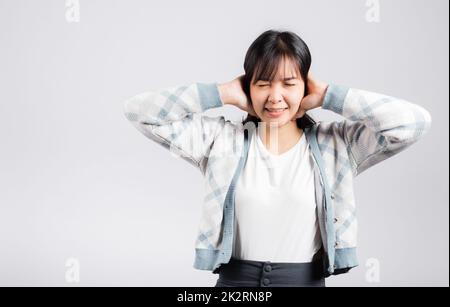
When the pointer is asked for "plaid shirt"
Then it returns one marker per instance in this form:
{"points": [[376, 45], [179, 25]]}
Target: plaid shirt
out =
{"points": [[375, 128]]}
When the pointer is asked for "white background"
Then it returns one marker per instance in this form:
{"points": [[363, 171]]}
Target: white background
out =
{"points": [[77, 180]]}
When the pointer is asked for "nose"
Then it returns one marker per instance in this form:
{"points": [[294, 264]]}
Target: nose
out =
{"points": [[274, 101], [275, 96]]}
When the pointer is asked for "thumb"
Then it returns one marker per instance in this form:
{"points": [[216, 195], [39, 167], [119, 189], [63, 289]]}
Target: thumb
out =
{"points": [[252, 112], [301, 111]]}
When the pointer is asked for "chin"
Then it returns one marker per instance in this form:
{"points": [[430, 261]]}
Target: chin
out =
{"points": [[278, 122]]}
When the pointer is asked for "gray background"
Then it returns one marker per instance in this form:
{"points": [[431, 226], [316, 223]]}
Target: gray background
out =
{"points": [[77, 180]]}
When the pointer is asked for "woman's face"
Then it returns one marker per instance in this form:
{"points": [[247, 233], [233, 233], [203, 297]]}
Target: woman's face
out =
{"points": [[276, 102]]}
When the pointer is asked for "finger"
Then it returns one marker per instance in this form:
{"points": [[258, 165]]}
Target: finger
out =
{"points": [[300, 113], [251, 112], [311, 80]]}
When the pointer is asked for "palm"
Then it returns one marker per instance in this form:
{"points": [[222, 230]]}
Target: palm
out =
{"points": [[314, 99], [311, 101], [241, 98]]}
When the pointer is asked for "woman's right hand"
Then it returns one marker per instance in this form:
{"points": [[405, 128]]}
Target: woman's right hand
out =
{"points": [[232, 93]]}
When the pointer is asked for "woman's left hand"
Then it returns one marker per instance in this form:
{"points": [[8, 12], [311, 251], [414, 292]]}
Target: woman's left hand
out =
{"points": [[315, 97]]}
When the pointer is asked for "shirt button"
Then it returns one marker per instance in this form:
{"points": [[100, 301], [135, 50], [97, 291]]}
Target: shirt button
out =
{"points": [[336, 244], [332, 196], [335, 220], [266, 282], [268, 268]]}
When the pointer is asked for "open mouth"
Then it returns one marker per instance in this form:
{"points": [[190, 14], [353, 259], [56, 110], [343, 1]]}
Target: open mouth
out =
{"points": [[275, 111]]}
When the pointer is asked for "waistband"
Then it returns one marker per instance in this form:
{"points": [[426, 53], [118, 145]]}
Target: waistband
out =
{"points": [[250, 273]]}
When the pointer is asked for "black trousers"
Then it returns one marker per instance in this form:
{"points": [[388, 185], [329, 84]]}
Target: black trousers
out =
{"points": [[248, 273]]}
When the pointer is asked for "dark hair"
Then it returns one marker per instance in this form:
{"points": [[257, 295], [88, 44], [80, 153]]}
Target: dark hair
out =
{"points": [[263, 57]]}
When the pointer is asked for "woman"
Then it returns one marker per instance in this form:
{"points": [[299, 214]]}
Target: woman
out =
{"points": [[279, 207]]}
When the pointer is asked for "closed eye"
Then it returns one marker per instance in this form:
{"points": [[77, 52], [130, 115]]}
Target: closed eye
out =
{"points": [[262, 85]]}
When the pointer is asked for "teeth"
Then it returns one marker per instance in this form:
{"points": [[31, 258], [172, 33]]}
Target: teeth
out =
{"points": [[276, 109]]}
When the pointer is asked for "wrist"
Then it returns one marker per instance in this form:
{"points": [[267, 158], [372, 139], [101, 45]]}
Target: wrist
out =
{"points": [[225, 93]]}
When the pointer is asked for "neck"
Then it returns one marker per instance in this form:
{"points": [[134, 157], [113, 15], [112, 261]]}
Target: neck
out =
{"points": [[279, 139]]}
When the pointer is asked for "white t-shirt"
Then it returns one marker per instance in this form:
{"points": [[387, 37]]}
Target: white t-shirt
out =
{"points": [[275, 206]]}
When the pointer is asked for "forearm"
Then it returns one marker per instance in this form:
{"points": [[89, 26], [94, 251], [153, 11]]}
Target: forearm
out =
{"points": [[395, 118], [172, 104]]}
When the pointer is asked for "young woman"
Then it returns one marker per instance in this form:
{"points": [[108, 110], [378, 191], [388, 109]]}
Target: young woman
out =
{"points": [[279, 208]]}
